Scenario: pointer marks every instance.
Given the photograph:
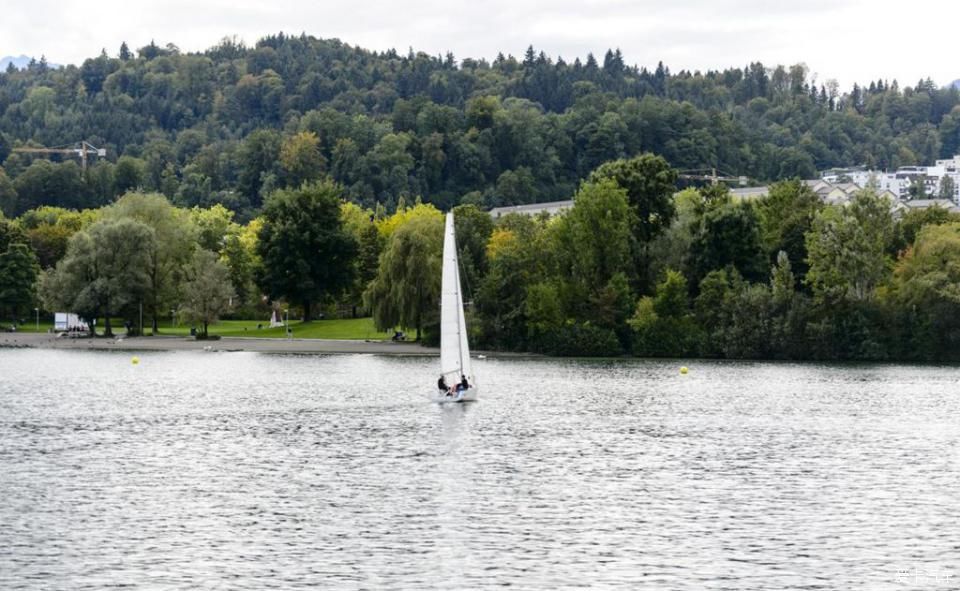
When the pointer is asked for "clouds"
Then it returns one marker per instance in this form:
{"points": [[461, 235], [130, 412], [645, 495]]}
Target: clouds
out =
{"points": [[852, 40]]}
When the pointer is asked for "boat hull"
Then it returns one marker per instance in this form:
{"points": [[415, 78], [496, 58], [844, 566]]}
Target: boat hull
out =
{"points": [[470, 395]]}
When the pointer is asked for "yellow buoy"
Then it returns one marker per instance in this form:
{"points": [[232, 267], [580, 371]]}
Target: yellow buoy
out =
{"points": [[135, 360], [684, 370]]}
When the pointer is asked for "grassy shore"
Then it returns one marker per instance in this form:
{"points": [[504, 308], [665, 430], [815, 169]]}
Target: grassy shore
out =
{"points": [[342, 329], [346, 329], [28, 326]]}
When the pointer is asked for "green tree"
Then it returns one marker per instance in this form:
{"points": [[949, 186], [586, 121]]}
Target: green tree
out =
{"points": [[544, 312], [911, 222], [751, 323], [669, 250], [46, 183], [104, 270], [306, 252], [790, 312], [18, 279], [874, 213], [4, 140], [368, 259], [473, 228], [649, 182], [207, 291], [259, 159], [516, 254], [711, 307], [10, 233], [515, 187], [950, 133], [48, 229], [783, 283], [387, 167], [129, 174], [8, 195], [848, 247], [49, 242], [481, 110], [361, 224], [663, 324], [728, 236], [175, 238], [598, 229], [239, 254], [214, 224], [786, 214], [407, 286], [925, 287], [301, 158]]}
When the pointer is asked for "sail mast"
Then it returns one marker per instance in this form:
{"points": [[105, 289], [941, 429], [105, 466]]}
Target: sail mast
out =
{"points": [[456, 267], [456, 285]]}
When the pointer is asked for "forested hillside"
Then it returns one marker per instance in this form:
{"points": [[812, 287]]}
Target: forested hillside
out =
{"points": [[233, 123]]}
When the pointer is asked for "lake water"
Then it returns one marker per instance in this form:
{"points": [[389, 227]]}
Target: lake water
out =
{"points": [[250, 471]]}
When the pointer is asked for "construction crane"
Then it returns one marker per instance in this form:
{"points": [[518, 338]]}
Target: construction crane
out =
{"points": [[711, 175], [81, 149]]}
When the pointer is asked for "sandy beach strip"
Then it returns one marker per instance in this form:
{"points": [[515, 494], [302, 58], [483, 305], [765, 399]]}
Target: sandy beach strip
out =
{"points": [[175, 343]]}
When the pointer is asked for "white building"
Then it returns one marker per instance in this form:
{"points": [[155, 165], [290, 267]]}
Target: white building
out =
{"points": [[901, 180], [836, 186]]}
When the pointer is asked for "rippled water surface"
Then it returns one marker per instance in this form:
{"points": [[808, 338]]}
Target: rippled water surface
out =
{"points": [[248, 471]]}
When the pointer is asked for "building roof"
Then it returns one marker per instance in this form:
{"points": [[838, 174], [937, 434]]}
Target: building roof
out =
{"points": [[925, 203]]}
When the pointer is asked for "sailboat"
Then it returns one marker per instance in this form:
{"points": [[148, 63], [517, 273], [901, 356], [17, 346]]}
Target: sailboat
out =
{"points": [[454, 348]]}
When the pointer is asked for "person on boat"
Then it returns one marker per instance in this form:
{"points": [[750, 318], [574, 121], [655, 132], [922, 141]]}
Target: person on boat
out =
{"points": [[442, 384], [463, 383]]}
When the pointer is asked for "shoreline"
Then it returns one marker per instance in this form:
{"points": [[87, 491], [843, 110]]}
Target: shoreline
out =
{"points": [[225, 344], [34, 340]]}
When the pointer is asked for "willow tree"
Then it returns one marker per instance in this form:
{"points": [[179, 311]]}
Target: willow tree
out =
{"points": [[407, 284], [105, 269], [207, 292], [168, 255]]}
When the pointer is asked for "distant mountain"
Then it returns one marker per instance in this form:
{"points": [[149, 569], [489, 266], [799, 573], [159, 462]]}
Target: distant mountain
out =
{"points": [[19, 62]]}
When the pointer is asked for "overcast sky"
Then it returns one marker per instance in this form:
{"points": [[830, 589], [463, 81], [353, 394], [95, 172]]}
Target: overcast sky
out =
{"points": [[849, 40]]}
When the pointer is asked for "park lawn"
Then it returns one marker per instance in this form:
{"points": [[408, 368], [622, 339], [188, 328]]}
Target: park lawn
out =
{"points": [[345, 329], [29, 326]]}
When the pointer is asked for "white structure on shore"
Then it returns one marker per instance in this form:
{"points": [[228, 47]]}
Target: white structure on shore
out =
{"points": [[837, 187], [900, 182], [556, 207]]}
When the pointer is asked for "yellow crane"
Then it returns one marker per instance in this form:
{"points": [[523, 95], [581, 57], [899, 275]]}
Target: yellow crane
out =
{"points": [[81, 149]]}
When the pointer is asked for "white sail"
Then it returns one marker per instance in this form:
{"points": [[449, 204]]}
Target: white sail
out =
{"points": [[464, 345], [454, 349]]}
